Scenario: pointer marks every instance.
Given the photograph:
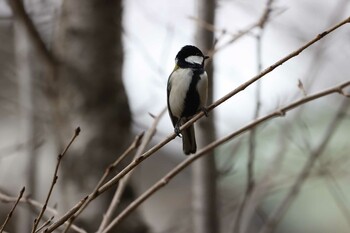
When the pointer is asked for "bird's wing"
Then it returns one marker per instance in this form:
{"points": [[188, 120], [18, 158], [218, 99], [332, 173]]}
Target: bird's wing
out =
{"points": [[174, 119]]}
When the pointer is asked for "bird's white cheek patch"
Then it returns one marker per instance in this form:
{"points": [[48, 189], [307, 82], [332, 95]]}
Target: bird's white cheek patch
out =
{"points": [[194, 59]]}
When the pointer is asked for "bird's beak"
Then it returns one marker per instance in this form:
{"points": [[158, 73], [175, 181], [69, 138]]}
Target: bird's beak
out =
{"points": [[206, 57]]}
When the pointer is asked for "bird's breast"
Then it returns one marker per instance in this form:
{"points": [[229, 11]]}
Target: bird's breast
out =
{"points": [[180, 81], [188, 92]]}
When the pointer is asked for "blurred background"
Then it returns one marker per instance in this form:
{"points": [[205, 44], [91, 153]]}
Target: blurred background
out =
{"points": [[107, 72]]}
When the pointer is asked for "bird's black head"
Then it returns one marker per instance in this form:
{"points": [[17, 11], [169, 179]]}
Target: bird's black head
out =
{"points": [[190, 57]]}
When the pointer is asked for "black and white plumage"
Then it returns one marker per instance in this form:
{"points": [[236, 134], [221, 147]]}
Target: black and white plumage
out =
{"points": [[187, 92]]}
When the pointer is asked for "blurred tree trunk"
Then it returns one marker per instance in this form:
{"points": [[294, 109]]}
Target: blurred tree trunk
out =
{"points": [[89, 46], [26, 74], [204, 170]]}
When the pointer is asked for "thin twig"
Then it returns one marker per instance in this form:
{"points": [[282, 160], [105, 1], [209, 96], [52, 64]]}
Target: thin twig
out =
{"points": [[115, 202], [266, 14], [135, 144], [338, 196], [165, 180], [209, 26], [265, 183], [122, 183], [35, 204], [252, 135], [218, 102], [155, 148], [274, 166], [8, 217], [54, 179], [45, 224], [66, 216], [73, 213], [278, 214], [236, 37]]}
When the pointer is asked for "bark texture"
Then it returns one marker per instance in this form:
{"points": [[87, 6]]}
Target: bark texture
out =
{"points": [[89, 47]]}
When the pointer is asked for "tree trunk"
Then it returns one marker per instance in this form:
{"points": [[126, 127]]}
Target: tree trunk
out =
{"points": [[89, 47], [204, 170]]}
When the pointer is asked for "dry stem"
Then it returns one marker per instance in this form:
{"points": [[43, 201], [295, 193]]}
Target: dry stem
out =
{"points": [[35, 204], [135, 144], [122, 183], [54, 179], [8, 217], [274, 219], [144, 156], [252, 135], [164, 181]]}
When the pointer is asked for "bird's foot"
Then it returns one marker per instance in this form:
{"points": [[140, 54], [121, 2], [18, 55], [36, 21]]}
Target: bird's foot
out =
{"points": [[177, 131], [205, 111]]}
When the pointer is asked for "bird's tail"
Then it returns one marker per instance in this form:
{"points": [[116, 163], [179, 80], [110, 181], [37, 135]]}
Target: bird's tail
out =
{"points": [[189, 140]]}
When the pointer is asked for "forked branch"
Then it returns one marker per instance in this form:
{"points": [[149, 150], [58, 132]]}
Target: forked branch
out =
{"points": [[150, 152], [165, 180]]}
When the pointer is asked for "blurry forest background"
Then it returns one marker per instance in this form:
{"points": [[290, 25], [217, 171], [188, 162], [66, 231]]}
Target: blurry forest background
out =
{"points": [[103, 66]]}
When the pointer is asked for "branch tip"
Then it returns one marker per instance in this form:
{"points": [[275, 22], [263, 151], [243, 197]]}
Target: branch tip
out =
{"points": [[152, 115], [139, 138], [77, 131]]}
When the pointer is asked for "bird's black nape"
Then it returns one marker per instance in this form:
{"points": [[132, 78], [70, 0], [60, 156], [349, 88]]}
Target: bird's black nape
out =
{"points": [[188, 50]]}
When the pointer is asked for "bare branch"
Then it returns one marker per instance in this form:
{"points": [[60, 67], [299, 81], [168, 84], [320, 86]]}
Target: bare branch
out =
{"points": [[122, 183], [268, 70], [338, 196], [45, 224], [301, 87], [10, 199], [274, 219], [165, 180], [135, 144], [54, 179], [115, 179], [66, 216], [266, 14], [155, 148], [252, 135], [74, 212], [8, 217], [36, 205], [236, 37]]}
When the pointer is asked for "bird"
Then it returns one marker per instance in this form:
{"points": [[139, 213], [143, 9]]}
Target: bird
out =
{"points": [[187, 92]]}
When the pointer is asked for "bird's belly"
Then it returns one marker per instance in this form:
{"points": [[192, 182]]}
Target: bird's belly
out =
{"points": [[177, 96]]}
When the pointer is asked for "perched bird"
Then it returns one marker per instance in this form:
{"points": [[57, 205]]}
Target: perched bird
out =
{"points": [[187, 93]]}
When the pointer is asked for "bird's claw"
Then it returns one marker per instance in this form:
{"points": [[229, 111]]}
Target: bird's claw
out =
{"points": [[177, 131], [205, 111]]}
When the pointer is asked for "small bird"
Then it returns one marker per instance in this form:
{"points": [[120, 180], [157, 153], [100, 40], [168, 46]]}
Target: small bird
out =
{"points": [[187, 93]]}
